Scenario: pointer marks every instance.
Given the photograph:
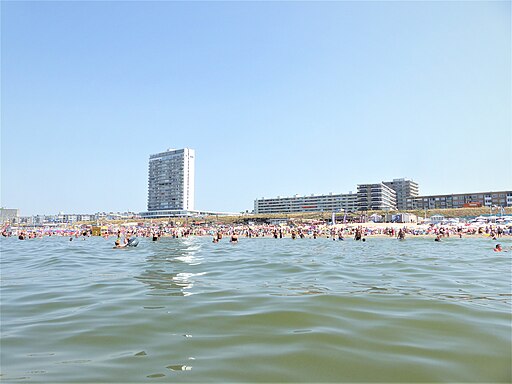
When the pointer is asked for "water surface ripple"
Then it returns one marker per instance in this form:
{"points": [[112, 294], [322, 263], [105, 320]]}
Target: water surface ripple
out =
{"points": [[273, 310]]}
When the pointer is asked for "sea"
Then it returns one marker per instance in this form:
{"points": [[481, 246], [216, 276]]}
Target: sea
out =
{"points": [[262, 310]]}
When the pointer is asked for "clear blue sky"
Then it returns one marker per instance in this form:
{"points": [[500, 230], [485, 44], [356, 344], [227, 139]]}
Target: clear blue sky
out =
{"points": [[277, 98]]}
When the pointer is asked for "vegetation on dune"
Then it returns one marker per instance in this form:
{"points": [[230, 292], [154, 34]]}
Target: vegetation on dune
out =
{"points": [[448, 213], [320, 216]]}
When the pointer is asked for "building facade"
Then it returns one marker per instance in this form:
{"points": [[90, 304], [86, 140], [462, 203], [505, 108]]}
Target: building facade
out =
{"points": [[375, 197], [312, 203], [404, 189], [7, 214], [70, 218], [461, 200], [171, 180]]}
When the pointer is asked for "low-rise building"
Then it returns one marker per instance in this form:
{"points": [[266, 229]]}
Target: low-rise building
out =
{"points": [[8, 215], [182, 213], [312, 203], [461, 200]]}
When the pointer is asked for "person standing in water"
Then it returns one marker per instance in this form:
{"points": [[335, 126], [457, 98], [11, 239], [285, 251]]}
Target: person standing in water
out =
{"points": [[359, 234]]}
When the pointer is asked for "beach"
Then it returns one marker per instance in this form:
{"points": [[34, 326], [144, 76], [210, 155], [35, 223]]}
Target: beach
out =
{"points": [[294, 229]]}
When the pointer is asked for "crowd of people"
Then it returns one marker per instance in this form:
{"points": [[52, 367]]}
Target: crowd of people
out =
{"points": [[233, 232], [123, 233]]}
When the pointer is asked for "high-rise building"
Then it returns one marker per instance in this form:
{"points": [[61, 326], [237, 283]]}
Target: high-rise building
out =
{"points": [[171, 180], [375, 197], [404, 189]]}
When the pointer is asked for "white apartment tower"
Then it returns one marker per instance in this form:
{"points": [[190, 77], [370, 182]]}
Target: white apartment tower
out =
{"points": [[171, 180]]}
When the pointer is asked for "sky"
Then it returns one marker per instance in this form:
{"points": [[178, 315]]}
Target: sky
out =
{"points": [[276, 98]]}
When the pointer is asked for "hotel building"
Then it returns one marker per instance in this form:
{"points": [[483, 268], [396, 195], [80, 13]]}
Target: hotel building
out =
{"points": [[312, 203], [461, 200], [171, 180]]}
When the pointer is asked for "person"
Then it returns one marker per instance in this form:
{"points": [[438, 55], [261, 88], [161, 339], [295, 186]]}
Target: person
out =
{"points": [[438, 238], [498, 248], [215, 239], [234, 238], [118, 244], [401, 234]]}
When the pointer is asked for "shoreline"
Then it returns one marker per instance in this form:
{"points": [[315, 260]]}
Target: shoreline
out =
{"points": [[337, 231]]}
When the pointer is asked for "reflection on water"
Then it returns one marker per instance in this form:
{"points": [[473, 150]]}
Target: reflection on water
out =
{"points": [[166, 264], [179, 367], [164, 283], [264, 309]]}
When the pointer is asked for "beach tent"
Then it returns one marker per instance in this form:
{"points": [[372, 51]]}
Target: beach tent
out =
{"points": [[404, 218], [375, 218], [436, 219]]}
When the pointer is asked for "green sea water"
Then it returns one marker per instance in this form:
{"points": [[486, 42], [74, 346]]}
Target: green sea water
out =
{"points": [[262, 310]]}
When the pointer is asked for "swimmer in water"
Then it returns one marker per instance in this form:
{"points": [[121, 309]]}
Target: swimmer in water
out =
{"points": [[498, 248], [119, 245]]}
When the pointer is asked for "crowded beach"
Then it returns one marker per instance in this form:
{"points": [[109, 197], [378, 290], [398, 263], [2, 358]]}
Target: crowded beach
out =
{"points": [[293, 230]]}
